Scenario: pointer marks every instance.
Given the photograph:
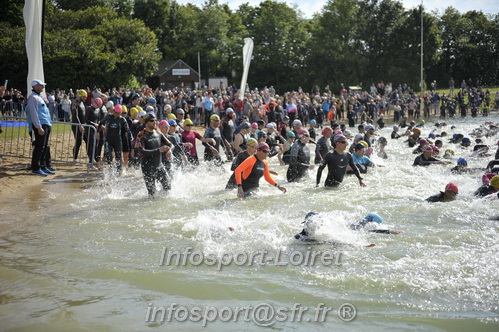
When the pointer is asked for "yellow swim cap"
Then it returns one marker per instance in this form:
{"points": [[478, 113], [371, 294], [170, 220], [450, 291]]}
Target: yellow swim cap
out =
{"points": [[81, 93], [125, 110], [252, 142], [139, 109], [494, 182], [187, 122], [364, 143], [171, 116], [214, 117], [133, 111]]}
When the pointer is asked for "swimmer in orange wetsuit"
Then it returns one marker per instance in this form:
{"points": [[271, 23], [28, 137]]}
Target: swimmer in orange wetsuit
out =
{"points": [[248, 173]]}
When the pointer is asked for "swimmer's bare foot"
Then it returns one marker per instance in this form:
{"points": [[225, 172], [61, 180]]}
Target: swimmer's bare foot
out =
{"points": [[231, 229]]}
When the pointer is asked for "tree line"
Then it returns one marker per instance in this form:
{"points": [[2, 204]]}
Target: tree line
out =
{"points": [[109, 43]]}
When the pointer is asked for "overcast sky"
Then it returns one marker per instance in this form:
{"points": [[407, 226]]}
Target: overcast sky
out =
{"points": [[309, 7]]}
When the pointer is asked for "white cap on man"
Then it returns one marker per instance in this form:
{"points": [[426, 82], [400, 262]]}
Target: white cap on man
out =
{"points": [[37, 82]]}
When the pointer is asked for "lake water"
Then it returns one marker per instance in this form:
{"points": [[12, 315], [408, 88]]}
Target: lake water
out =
{"points": [[90, 259]]}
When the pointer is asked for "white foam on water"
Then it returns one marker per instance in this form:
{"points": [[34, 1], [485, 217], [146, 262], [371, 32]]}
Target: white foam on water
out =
{"points": [[444, 264]]}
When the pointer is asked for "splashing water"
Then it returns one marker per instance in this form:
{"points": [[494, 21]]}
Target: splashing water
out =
{"points": [[91, 259]]}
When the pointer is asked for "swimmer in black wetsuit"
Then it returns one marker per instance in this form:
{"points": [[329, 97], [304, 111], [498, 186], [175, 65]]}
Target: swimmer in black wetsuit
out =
{"points": [[489, 189], [449, 194], [152, 144], [212, 151], [115, 124], [372, 219], [299, 161], [395, 133], [337, 162], [323, 144], [92, 118], [426, 159], [310, 226]]}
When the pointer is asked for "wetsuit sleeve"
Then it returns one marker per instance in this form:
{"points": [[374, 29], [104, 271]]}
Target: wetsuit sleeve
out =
{"points": [[103, 122], [245, 165], [493, 163], [321, 168], [266, 174], [206, 135], [420, 161], [80, 116], [318, 147], [381, 231], [127, 129], [164, 140], [355, 170], [435, 198], [238, 161], [87, 114], [178, 149], [223, 129]]}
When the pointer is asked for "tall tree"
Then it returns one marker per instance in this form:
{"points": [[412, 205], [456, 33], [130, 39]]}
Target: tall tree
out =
{"points": [[335, 53], [376, 22], [95, 47], [155, 15], [405, 47], [280, 41]]}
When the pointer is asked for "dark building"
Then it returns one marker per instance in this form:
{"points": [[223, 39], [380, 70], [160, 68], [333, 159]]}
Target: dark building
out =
{"points": [[173, 74]]}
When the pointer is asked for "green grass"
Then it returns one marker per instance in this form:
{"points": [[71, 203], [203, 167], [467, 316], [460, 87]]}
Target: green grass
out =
{"points": [[493, 90], [15, 132]]}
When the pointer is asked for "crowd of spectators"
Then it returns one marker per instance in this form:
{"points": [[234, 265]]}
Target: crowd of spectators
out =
{"points": [[354, 104]]}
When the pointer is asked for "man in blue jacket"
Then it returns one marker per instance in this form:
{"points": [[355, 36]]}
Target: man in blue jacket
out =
{"points": [[39, 119]]}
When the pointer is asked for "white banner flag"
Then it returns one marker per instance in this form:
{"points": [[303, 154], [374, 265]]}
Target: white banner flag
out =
{"points": [[32, 13], [247, 53]]}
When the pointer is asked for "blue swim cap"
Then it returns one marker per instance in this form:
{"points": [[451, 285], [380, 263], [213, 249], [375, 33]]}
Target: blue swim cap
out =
{"points": [[313, 121], [462, 161], [431, 135], [172, 122], [373, 217], [465, 140], [151, 101]]}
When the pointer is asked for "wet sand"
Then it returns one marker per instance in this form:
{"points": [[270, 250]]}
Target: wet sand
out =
{"points": [[17, 181]]}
